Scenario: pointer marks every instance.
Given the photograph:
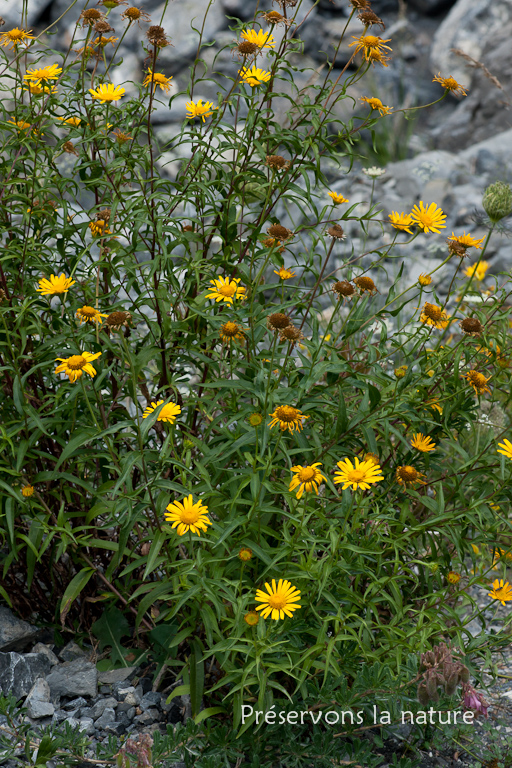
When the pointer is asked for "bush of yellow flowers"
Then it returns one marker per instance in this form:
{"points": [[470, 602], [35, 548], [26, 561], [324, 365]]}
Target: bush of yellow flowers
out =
{"points": [[274, 510]]}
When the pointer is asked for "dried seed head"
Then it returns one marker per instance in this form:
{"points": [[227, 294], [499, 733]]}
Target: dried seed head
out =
{"points": [[101, 27], [471, 326], [104, 215], [279, 232], [277, 162], [343, 288], [156, 36], [90, 17], [290, 333], [69, 147], [277, 321], [369, 18], [423, 696], [361, 5], [116, 320], [336, 231], [270, 242], [365, 284], [188, 228], [432, 311], [274, 17], [457, 249], [245, 48]]}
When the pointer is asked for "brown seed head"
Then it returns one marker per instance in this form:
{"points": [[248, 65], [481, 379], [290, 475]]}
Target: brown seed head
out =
{"points": [[290, 333], [270, 242], [104, 215], [432, 311], [336, 231], [361, 5], [365, 284], [274, 17], [156, 36], [69, 147], [116, 320], [90, 17], [343, 288], [278, 321], [369, 18], [279, 232], [246, 48], [101, 27], [471, 326], [456, 249], [188, 228], [277, 162], [2, 292]]}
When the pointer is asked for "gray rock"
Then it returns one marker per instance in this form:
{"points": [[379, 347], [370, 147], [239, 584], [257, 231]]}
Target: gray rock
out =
{"points": [[38, 700], [116, 728], [18, 673], [108, 716], [75, 704], [74, 678], [15, 634], [149, 716], [133, 699], [72, 651], [47, 651], [99, 707], [151, 699], [242, 9], [11, 12], [114, 676], [87, 725]]}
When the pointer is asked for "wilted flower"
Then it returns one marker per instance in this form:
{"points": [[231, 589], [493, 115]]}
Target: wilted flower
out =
{"points": [[450, 84]]}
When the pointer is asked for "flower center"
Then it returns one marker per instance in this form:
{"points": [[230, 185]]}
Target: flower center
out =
{"points": [[408, 473], [230, 329], [277, 601], [355, 476], [227, 290], [76, 362], [190, 516], [433, 312], [88, 311], [15, 34], [306, 474], [371, 41], [286, 413]]}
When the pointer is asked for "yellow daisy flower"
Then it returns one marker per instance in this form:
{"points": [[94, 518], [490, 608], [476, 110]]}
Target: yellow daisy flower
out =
{"points": [[99, 228], [407, 475], [279, 600], [168, 413], [41, 90], [106, 92], [27, 491], [360, 474], [402, 221], [306, 479], [159, 79], [435, 316], [251, 618], [337, 199], [187, 516], [375, 104], [198, 109], [450, 84], [501, 591], [423, 443], [506, 445], [14, 37], [287, 417], [40, 74], [255, 419], [259, 38], [55, 285], [478, 270], [74, 122], [284, 274], [478, 381], [88, 314], [467, 241], [370, 45], [76, 365], [453, 577], [424, 279], [245, 554], [226, 290], [429, 219], [254, 76]]}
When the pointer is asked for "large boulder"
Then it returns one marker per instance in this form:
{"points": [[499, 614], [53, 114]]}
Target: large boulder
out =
{"points": [[18, 672], [15, 634]]}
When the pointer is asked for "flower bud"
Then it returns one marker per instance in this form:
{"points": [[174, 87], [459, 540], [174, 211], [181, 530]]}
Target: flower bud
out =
{"points": [[431, 687], [423, 695], [464, 674], [451, 684], [497, 201]]}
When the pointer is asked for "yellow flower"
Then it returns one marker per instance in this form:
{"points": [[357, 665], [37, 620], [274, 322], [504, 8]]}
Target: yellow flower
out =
{"points": [[506, 445], [372, 47], [27, 491], [199, 109], [478, 381], [21, 125], [251, 618], [467, 241], [231, 332], [121, 137], [450, 84], [306, 479], [371, 457], [429, 219], [279, 600], [501, 591], [159, 79], [338, 199], [89, 315], [453, 577], [101, 41], [259, 38], [400, 372], [434, 403], [187, 516], [226, 290], [423, 443], [499, 553], [287, 417], [375, 103], [476, 550], [407, 475], [245, 554], [255, 419], [477, 270], [361, 474], [40, 90], [435, 316], [168, 412], [401, 221], [76, 365], [424, 279], [284, 274], [38, 74], [14, 37], [107, 92], [54, 285], [75, 122], [254, 76]]}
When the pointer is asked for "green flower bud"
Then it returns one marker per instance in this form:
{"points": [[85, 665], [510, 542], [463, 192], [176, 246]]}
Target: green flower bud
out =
{"points": [[497, 201]]}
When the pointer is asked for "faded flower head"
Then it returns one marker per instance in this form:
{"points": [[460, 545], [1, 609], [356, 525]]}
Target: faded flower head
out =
{"points": [[471, 326], [450, 84], [290, 333], [279, 232], [277, 162], [478, 381], [343, 288], [376, 104], [117, 320], [277, 321], [435, 316], [365, 285], [407, 475], [336, 232]]}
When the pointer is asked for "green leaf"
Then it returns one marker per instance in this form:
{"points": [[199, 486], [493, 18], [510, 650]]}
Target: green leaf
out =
{"points": [[208, 713], [109, 630]]}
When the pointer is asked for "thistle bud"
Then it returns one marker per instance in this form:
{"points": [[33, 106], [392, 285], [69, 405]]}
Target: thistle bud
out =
{"points": [[464, 674], [423, 695], [451, 684], [431, 687], [497, 201]]}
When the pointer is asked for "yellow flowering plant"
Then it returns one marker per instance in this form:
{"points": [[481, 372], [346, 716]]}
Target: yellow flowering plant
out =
{"points": [[227, 443]]}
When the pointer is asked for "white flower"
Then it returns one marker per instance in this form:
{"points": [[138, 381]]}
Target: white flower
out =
{"points": [[374, 172]]}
